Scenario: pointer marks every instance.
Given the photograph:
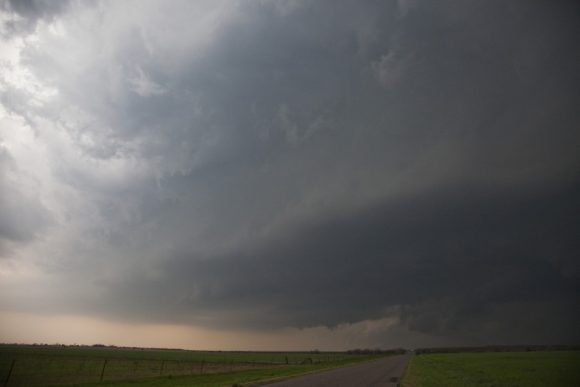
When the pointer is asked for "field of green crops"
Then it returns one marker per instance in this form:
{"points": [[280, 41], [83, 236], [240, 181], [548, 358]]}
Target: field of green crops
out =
{"points": [[23, 365], [495, 369]]}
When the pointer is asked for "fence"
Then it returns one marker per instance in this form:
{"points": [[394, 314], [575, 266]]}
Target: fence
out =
{"points": [[56, 370]]}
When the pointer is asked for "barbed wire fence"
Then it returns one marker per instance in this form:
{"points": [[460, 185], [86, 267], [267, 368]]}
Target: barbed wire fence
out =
{"points": [[46, 370]]}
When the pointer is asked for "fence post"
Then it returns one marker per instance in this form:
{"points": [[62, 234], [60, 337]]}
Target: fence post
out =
{"points": [[162, 366], [202, 362], [103, 370], [10, 372]]}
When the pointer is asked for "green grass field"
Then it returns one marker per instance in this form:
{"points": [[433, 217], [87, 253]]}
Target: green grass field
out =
{"points": [[54, 365], [503, 369], [241, 378]]}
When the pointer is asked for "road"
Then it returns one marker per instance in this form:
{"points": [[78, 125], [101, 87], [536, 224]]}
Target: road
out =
{"points": [[385, 372]]}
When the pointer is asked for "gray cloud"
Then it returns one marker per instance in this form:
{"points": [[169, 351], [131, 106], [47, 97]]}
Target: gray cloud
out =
{"points": [[23, 214], [301, 164], [35, 8], [449, 258], [30, 12]]}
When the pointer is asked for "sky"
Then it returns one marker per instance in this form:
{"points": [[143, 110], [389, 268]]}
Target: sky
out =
{"points": [[288, 174]]}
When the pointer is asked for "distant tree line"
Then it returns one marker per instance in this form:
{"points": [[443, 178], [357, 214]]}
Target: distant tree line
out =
{"points": [[376, 351], [499, 348]]}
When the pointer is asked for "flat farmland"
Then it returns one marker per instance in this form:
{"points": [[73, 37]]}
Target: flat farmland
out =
{"points": [[497, 369], [77, 365]]}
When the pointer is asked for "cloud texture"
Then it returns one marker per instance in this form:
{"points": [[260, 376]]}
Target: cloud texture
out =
{"points": [[274, 164]]}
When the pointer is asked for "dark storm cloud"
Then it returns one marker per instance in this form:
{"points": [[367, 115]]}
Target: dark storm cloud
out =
{"points": [[238, 96], [324, 163], [36, 8], [450, 257], [31, 11], [476, 100]]}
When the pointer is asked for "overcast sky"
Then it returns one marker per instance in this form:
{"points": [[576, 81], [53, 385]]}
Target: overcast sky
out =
{"points": [[286, 174]]}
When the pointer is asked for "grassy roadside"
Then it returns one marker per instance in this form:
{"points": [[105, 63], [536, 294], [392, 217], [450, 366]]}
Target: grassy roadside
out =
{"points": [[504, 369], [27, 365], [240, 378]]}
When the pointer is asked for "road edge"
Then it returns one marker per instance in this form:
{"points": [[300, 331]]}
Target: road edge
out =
{"points": [[282, 378]]}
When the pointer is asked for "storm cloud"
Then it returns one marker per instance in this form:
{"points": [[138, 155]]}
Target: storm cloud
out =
{"points": [[263, 165]]}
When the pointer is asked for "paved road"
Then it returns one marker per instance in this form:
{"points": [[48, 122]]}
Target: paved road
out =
{"points": [[385, 372]]}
